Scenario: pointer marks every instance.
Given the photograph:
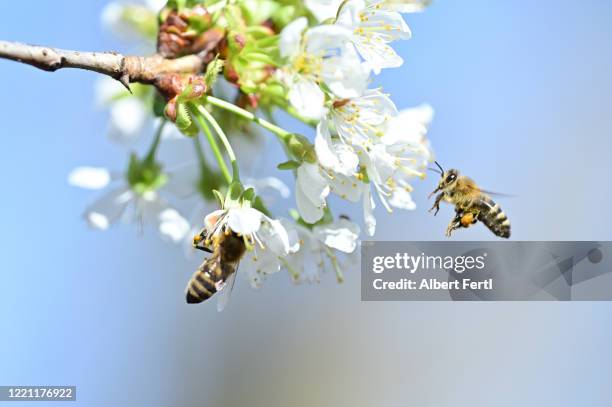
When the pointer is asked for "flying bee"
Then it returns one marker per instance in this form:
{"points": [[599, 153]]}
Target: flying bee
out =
{"points": [[218, 272], [472, 204]]}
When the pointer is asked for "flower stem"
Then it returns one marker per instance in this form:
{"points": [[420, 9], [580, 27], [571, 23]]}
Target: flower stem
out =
{"points": [[281, 133], [334, 261], [215, 148], [228, 147], [153, 149]]}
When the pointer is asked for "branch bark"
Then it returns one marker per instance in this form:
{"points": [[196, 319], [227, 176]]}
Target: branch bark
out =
{"points": [[154, 70]]}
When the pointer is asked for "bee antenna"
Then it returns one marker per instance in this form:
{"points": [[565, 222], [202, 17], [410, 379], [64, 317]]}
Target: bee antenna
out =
{"points": [[439, 166]]}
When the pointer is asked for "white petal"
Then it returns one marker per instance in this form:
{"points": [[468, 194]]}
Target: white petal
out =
{"points": [[172, 225], [400, 198], [378, 55], [109, 208], [273, 183], [323, 9], [310, 212], [311, 190], [335, 156], [403, 6], [368, 211], [211, 220], [147, 207], [307, 98], [291, 37], [128, 116], [244, 221], [345, 74], [341, 235], [182, 181], [293, 235], [276, 238], [89, 177], [349, 15], [349, 188], [325, 37]]}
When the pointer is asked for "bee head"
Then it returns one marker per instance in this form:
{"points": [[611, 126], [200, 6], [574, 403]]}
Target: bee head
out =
{"points": [[447, 178]]}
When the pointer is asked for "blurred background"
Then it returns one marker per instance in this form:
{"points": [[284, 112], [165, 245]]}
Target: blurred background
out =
{"points": [[522, 93]]}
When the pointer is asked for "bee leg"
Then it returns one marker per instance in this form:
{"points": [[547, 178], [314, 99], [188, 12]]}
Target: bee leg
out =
{"points": [[203, 248], [454, 224], [436, 204]]}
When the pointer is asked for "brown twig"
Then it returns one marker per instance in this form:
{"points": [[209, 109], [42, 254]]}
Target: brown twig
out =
{"points": [[153, 70]]}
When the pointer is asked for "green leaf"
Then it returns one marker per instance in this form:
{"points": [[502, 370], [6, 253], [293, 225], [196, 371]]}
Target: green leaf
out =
{"points": [[288, 165]]}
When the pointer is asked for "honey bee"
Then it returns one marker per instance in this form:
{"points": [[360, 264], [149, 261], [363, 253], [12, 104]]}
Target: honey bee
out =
{"points": [[218, 272], [472, 204]]}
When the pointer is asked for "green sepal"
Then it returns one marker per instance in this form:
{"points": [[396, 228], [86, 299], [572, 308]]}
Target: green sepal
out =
{"points": [[213, 69], [288, 165], [247, 198], [159, 105], [144, 175], [232, 198], [184, 122], [219, 197]]}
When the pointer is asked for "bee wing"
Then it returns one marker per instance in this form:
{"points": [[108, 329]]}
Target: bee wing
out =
{"points": [[484, 191], [224, 295], [502, 195]]}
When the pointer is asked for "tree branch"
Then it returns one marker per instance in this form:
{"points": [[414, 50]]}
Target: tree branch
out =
{"points": [[154, 70]]}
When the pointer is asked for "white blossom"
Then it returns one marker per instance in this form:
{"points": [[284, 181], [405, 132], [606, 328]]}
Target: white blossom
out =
{"points": [[371, 139], [319, 246], [373, 27], [319, 55], [122, 203], [311, 190], [267, 240], [360, 121]]}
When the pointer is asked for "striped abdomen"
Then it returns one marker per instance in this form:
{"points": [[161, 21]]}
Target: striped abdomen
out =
{"points": [[494, 218], [208, 279]]}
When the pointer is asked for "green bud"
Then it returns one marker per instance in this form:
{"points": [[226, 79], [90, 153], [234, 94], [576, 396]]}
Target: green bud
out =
{"points": [[301, 148]]}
